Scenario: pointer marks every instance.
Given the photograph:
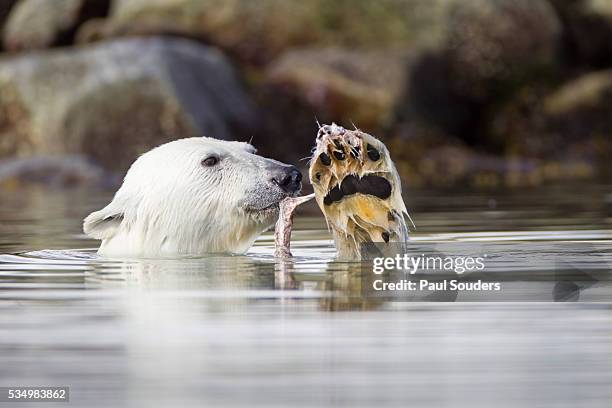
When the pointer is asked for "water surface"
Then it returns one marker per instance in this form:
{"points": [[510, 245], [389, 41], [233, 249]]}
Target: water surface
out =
{"points": [[250, 331]]}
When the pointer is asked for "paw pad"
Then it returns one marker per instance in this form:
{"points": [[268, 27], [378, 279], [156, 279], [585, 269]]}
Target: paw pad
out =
{"points": [[357, 187]]}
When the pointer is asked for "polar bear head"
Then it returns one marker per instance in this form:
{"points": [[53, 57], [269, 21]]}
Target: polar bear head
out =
{"points": [[193, 196]]}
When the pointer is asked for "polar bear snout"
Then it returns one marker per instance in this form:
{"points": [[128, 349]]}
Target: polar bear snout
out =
{"points": [[288, 178]]}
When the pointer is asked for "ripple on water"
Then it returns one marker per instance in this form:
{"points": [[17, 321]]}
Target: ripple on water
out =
{"points": [[248, 330]]}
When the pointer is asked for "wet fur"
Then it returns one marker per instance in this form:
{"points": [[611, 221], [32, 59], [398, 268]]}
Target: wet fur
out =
{"points": [[358, 189], [170, 204]]}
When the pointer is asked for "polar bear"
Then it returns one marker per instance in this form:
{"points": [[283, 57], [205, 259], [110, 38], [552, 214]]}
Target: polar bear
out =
{"points": [[191, 197]]}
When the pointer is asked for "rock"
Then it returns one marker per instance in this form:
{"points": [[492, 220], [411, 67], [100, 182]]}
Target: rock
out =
{"points": [[446, 163], [329, 84], [348, 85], [519, 128], [35, 24], [256, 31], [570, 123], [116, 100], [430, 98], [578, 116], [5, 9], [589, 93], [587, 31], [288, 125], [492, 48], [56, 171], [494, 43]]}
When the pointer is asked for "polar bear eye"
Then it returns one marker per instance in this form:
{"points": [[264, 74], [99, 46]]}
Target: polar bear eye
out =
{"points": [[210, 161]]}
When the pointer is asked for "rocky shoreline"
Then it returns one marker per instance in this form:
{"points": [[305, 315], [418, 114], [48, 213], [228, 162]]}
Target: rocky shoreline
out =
{"points": [[485, 93]]}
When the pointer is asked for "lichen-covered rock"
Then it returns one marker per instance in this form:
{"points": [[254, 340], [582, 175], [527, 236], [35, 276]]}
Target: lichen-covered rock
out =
{"points": [[493, 43], [348, 85], [326, 84], [492, 48], [256, 31], [116, 100], [588, 93], [35, 24]]}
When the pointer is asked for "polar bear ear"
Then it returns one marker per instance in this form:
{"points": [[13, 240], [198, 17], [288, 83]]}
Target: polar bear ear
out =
{"points": [[103, 224]]}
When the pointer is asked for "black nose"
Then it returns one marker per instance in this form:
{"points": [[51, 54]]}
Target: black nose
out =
{"points": [[289, 179]]}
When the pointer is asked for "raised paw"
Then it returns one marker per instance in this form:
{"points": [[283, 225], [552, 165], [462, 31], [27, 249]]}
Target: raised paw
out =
{"points": [[358, 189]]}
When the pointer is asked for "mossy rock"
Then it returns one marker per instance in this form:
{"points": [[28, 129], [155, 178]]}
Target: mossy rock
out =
{"points": [[351, 86], [256, 31], [113, 101], [492, 49], [36, 24]]}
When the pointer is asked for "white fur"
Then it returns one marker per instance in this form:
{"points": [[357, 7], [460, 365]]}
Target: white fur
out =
{"points": [[171, 204]]}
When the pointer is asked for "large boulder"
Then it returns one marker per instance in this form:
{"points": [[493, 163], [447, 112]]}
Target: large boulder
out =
{"points": [[348, 85], [590, 93], [115, 100], [54, 171], [5, 9], [327, 84], [492, 48], [256, 31], [587, 31], [494, 43], [35, 24]]}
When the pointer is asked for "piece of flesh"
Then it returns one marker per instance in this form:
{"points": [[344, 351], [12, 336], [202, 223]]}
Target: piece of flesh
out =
{"points": [[358, 189], [282, 230]]}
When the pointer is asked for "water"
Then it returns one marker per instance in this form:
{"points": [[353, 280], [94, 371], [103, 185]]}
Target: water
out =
{"points": [[250, 331]]}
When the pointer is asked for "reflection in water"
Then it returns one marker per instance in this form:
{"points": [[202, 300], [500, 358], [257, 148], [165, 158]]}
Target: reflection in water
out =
{"points": [[219, 272], [250, 330]]}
